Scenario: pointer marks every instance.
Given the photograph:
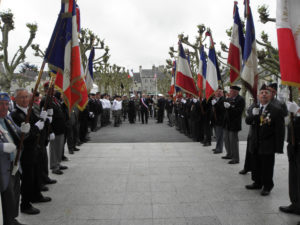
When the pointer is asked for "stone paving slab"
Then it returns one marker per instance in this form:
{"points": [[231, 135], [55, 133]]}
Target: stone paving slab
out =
{"points": [[159, 184]]}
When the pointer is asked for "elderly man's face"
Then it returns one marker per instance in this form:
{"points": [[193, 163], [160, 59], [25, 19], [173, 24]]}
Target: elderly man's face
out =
{"points": [[22, 98], [3, 108], [264, 96]]}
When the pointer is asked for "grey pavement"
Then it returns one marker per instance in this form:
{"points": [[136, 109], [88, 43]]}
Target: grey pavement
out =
{"points": [[151, 132], [163, 183]]}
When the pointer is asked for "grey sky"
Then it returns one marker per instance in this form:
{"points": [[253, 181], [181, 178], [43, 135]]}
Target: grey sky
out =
{"points": [[138, 32]]}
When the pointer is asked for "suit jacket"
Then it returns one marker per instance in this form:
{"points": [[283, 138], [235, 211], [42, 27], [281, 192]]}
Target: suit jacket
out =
{"points": [[143, 107], [161, 104], [5, 160], [233, 115], [267, 130], [218, 112], [30, 144]]}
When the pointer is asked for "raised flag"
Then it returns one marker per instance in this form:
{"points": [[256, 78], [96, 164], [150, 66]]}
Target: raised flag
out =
{"points": [[201, 76], [89, 78], [288, 23], [63, 57], [212, 74], [236, 48], [184, 78], [172, 86], [249, 73]]}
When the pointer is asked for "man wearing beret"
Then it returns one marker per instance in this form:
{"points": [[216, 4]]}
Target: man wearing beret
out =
{"points": [[234, 107], [9, 184], [267, 127]]}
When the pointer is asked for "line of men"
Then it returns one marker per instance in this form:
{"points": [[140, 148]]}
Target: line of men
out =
{"points": [[266, 119], [50, 124]]}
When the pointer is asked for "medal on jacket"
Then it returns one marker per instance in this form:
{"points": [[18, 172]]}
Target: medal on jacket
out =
{"points": [[265, 118]]}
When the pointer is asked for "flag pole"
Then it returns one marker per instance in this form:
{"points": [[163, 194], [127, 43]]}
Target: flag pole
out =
{"points": [[292, 118]]}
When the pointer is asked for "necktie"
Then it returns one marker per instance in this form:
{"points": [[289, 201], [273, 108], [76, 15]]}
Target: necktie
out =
{"points": [[261, 110]]}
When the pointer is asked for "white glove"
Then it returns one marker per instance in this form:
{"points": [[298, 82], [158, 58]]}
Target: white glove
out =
{"points": [[25, 127], [255, 111], [49, 118], [91, 115], [194, 100], [40, 124], [9, 147], [43, 115], [292, 107], [214, 101], [50, 112], [226, 105], [52, 136]]}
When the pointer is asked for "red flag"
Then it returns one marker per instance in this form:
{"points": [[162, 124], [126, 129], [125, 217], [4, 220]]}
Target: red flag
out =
{"points": [[287, 21]]}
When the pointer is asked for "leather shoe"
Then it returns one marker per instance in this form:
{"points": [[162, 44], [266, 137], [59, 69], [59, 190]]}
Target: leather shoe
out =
{"points": [[61, 167], [264, 192], [207, 144], [44, 188], [71, 151], [50, 181], [214, 149], [233, 162], [289, 209], [16, 222], [42, 199], [253, 186], [58, 172], [226, 157], [64, 158], [243, 172], [217, 152], [76, 149], [30, 211]]}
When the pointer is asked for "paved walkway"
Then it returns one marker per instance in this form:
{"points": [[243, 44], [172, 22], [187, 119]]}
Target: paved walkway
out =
{"points": [[171, 183]]}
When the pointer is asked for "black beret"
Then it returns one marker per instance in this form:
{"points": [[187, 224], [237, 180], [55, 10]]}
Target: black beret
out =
{"points": [[273, 85], [263, 87], [235, 88]]}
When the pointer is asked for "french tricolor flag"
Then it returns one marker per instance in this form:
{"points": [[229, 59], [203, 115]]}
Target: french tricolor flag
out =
{"points": [[184, 78], [249, 73], [89, 79], [172, 86], [212, 74], [235, 56], [288, 23], [201, 76]]}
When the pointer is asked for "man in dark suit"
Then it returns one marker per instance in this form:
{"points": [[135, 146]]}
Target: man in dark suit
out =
{"points": [[169, 109], [267, 139], [218, 111], [144, 104], [9, 184], [160, 108], [293, 152], [31, 179], [234, 107]]}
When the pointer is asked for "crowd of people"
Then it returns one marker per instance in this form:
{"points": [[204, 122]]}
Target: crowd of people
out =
{"points": [[51, 125], [222, 115]]}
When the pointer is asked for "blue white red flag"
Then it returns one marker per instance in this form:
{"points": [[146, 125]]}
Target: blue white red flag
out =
{"points": [[201, 75], [236, 48], [213, 73], [63, 57], [288, 23], [184, 78], [89, 79], [172, 86], [249, 73]]}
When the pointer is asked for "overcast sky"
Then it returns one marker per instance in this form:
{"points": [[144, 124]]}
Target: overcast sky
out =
{"points": [[138, 32]]}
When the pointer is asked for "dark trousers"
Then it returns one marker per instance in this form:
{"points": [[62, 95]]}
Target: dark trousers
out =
{"points": [[83, 130], [70, 135], [294, 176], [247, 163], [263, 170], [30, 186], [131, 116], [10, 199], [160, 116], [207, 131], [43, 164], [94, 122], [144, 115]]}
